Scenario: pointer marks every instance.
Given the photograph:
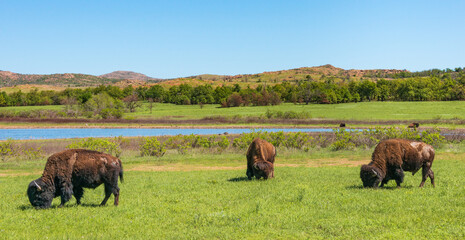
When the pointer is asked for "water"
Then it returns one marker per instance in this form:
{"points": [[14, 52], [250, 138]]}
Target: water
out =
{"points": [[54, 133]]}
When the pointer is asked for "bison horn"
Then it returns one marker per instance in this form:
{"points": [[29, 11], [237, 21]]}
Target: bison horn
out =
{"points": [[376, 174], [37, 185]]}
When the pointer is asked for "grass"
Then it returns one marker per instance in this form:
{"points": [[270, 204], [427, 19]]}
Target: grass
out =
{"points": [[300, 203], [364, 111], [345, 111], [31, 108]]}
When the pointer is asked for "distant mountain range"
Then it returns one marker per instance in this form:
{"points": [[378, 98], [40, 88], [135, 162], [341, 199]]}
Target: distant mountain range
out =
{"points": [[124, 78]]}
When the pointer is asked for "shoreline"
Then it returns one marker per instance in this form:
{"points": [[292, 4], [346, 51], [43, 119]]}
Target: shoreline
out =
{"points": [[167, 127]]}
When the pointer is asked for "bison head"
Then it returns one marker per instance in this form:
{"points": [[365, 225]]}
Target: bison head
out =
{"points": [[262, 169], [39, 194], [371, 176]]}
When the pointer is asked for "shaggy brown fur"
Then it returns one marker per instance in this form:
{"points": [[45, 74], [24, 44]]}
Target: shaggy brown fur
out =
{"points": [[260, 159], [68, 172], [391, 157]]}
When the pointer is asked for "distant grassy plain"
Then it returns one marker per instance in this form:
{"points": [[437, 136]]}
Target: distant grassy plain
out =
{"points": [[315, 195], [363, 111], [345, 111]]}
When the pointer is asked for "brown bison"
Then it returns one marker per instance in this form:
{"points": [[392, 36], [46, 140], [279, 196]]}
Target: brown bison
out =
{"points": [[260, 159], [67, 173], [394, 156], [414, 125]]}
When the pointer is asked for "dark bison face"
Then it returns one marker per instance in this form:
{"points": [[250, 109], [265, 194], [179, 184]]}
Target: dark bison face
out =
{"points": [[262, 169], [39, 194], [370, 176]]}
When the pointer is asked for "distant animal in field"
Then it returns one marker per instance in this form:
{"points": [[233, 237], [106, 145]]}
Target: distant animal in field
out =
{"points": [[414, 125], [260, 159], [66, 173], [342, 125], [394, 156]]}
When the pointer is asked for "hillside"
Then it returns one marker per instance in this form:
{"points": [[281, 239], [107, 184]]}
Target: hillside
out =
{"points": [[125, 78], [127, 75], [9, 79], [303, 73]]}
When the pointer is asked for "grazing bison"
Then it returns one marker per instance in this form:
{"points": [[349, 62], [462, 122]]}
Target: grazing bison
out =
{"points": [[67, 173], [342, 125], [394, 156], [260, 159], [414, 125]]}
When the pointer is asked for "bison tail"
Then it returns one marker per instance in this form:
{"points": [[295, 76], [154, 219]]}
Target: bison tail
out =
{"points": [[121, 173]]}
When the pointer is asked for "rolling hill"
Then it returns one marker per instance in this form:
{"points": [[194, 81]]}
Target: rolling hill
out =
{"points": [[125, 78], [127, 75]]}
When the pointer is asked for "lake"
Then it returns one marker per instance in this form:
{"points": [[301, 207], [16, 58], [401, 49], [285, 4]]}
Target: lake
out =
{"points": [[54, 133]]}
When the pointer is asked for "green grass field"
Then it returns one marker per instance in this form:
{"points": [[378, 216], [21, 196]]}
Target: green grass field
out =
{"points": [[346, 111], [216, 202]]}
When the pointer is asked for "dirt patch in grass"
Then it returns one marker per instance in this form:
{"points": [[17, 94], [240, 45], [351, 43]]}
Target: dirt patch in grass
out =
{"points": [[10, 173], [309, 163], [321, 162]]}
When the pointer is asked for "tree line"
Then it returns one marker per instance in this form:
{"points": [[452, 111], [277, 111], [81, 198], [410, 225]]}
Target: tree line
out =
{"points": [[326, 91]]}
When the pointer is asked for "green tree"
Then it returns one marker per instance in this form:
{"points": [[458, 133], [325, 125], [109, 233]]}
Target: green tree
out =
{"points": [[156, 92], [3, 102], [367, 90], [203, 94], [104, 106]]}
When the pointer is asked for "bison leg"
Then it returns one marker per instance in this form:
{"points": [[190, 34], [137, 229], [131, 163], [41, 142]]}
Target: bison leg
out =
{"points": [[399, 176], [426, 173], [78, 193], [431, 176], [249, 173], [385, 181], [66, 193], [116, 194], [108, 191]]}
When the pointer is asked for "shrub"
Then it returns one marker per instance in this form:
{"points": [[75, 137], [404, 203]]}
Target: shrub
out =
{"points": [[297, 140], [234, 100], [152, 147], [104, 106], [6, 149], [32, 153], [286, 115], [206, 142], [223, 143], [98, 144], [179, 142]]}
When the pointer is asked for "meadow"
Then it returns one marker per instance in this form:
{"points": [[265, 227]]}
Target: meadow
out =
{"points": [[344, 111], [204, 194], [316, 195], [431, 113]]}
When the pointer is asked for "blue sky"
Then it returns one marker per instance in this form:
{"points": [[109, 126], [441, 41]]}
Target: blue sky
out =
{"points": [[169, 39]]}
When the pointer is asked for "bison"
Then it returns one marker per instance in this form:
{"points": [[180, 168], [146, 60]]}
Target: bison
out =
{"points": [[394, 156], [260, 159], [66, 173]]}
